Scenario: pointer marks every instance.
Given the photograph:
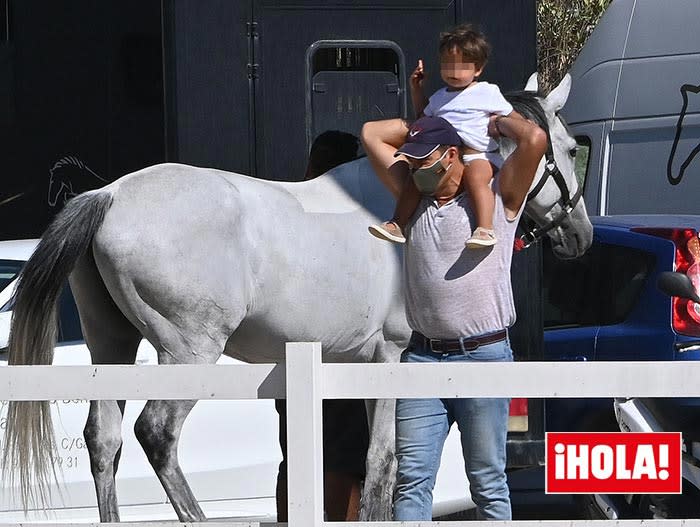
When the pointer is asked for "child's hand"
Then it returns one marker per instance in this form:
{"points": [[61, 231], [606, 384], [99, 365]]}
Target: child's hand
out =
{"points": [[418, 76]]}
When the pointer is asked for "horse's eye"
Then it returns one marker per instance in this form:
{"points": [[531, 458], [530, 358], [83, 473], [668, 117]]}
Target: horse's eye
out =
{"points": [[573, 151]]}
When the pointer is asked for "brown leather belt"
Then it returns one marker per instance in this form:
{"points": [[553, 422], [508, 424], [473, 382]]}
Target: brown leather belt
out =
{"points": [[457, 345]]}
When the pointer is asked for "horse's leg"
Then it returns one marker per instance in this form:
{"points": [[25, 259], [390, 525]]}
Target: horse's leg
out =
{"points": [[158, 430], [111, 339], [378, 491], [160, 423], [103, 439]]}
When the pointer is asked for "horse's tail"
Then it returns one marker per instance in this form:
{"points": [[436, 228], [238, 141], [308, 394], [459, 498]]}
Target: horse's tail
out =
{"points": [[28, 458]]}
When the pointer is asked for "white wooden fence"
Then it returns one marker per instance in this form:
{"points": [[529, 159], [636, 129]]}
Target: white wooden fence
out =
{"points": [[305, 382]]}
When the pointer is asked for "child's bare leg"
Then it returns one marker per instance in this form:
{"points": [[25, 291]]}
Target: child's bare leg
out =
{"points": [[392, 230], [407, 204], [381, 139], [476, 182]]}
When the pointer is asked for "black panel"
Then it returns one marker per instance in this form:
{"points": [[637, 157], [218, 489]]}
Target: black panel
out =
{"points": [[207, 84], [217, 50], [287, 30], [85, 88], [510, 26]]}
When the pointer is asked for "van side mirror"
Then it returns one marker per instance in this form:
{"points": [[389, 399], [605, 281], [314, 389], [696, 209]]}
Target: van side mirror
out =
{"points": [[677, 284]]}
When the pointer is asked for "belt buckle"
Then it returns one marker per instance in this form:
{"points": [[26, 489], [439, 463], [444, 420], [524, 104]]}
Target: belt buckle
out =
{"points": [[433, 343]]}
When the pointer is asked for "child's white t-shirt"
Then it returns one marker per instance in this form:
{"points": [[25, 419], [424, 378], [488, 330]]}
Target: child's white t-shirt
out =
{"points": [[468, 110]]}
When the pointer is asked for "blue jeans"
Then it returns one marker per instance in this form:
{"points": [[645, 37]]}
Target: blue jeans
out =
{"points": [[421, 429]]}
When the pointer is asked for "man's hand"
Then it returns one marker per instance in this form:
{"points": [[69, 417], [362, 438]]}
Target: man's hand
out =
{"points": [[493, 129], [417, 77], [498, 127]]}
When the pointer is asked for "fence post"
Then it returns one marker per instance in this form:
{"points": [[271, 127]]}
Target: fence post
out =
{"points": [[304, 434]]}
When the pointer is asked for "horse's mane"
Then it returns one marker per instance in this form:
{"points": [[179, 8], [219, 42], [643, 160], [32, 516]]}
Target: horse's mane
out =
{"points": [[527, 104]]}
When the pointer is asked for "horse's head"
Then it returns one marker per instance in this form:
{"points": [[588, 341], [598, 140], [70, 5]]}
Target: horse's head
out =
{"points": [[555, 201], [60, 186]]}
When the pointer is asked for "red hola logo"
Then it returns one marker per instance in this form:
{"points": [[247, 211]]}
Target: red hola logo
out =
{"points": [[613, 463]]}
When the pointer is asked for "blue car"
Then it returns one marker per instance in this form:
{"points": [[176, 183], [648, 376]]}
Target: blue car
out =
{"points": [[606, 306]]}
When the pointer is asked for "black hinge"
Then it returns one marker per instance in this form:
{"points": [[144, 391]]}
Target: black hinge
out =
{"points": [[251, 29], [252, 71]]}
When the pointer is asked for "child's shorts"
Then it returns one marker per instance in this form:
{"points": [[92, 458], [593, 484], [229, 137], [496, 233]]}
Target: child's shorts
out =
{"points": [[493, 157]]}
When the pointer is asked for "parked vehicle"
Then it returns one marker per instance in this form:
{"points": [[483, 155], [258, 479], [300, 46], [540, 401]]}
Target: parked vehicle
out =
{"points": [[606, 306], [659, 415], [635, 107], [228, 449]]}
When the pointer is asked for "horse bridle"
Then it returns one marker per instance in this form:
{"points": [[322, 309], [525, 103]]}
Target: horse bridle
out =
{"points": [[567, 202]]}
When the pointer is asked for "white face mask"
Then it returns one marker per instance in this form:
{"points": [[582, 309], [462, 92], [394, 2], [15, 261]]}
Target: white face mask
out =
{"points": [[427, 179]]}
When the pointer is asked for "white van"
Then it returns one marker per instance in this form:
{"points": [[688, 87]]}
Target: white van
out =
{"points": [[635, 108]]}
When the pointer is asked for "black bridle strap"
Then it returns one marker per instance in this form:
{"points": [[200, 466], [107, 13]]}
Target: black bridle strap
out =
{"points": [[566, 202], [538, 232]]}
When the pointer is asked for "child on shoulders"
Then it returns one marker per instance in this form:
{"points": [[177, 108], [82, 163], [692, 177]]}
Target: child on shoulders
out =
{"points": [[467, 104]]}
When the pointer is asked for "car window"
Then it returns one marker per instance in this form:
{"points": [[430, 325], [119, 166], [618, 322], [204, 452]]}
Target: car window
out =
{"points": [[583, 156], [9, 269], [68, 319], [568, 290], [600, 288], [623, 274]]}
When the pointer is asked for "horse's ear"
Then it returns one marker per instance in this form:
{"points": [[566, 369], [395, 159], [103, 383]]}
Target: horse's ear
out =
{"points": [[557, 97], [531, 83]]}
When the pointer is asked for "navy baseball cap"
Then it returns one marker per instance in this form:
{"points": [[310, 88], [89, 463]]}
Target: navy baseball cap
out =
{"points": [[425, 136]]}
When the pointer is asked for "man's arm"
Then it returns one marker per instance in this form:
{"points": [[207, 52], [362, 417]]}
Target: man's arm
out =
{"points": [[519, 168]]}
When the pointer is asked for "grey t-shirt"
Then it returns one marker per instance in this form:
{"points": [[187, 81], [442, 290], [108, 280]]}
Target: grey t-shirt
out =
{"points": [[452, 291]]}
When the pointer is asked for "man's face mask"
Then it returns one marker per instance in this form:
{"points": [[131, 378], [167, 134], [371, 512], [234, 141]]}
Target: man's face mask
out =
{"points": [[427, 179]]}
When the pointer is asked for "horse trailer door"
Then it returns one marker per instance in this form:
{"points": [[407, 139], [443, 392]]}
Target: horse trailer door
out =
{"points": [[352, 82]]}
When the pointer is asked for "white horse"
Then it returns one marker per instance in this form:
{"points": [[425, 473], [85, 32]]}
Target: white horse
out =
{"points": [[202, 262]]}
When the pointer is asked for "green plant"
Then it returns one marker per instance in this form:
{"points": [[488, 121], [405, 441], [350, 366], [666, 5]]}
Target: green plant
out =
{"points": [[562, 28]]}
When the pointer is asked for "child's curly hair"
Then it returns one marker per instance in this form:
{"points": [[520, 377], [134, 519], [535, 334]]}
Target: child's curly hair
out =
{"points": [[469, 40]]}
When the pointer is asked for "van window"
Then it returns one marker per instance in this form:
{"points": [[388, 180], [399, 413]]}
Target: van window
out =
{"points": [[583, 156]]}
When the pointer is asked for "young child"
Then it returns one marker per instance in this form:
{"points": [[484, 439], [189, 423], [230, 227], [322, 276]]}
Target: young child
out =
{"points": [[467, 105]]}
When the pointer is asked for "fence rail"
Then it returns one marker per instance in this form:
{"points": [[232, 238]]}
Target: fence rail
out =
{"points": [[304, 381]]}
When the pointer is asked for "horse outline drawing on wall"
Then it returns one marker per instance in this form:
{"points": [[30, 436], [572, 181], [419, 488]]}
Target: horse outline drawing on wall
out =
{"points": [[60, 182], [676, 179]]}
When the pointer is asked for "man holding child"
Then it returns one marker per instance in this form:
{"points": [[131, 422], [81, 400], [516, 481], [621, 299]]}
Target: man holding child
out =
{"points": [[459, 302]]}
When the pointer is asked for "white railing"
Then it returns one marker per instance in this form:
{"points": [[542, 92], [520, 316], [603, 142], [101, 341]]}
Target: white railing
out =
{"points": [[305, 382]]}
